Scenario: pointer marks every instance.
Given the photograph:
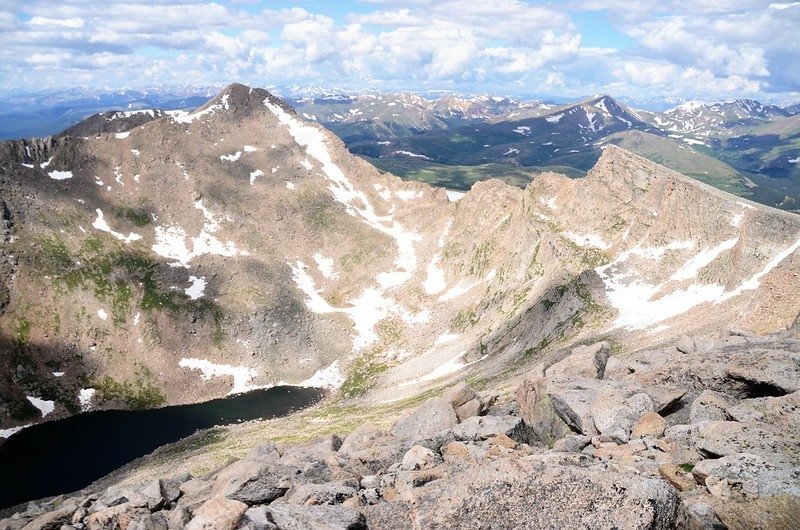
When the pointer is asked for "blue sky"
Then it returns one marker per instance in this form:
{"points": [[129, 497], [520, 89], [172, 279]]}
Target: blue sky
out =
{"points": [[642, 48]]}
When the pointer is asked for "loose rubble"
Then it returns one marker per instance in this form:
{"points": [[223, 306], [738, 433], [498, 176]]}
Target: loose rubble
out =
{"points": [[652, 448]]}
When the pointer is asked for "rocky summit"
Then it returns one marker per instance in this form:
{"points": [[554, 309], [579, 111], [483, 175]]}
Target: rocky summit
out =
{"points": [[614, 351]]}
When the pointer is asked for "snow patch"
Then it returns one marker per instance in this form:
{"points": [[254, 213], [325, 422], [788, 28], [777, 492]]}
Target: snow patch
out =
{"points": [[254, 175], [11, 431], [58, 374], [446, 338], [290, 185], [412, 155], [454, 195], [123, 135], [690, 269], [325, 266], [231, 158], [587, 240], [453, 365], [241, 374], [197, 287], [45, 164], [407, 195], [102, 315], [250, 149], [136, 152], [44, 406], [101, 224], [435, 282], [85, 398], [464, 286], [555, 119], [60, 175], [330, 377], [171, 241]]}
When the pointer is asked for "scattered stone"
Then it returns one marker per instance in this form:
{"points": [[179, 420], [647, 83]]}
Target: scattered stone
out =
{"points": [[614, 415], [218, 513], [710, 406], [430, 418], [418, 457], [676, 476], [685, 344], [484, 427], [650, 424], [471, 408], [251, 482], [573, 443], [584, 361]]}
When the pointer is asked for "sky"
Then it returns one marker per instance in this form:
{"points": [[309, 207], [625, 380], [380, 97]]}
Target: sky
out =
{"points": [[636, 48]]}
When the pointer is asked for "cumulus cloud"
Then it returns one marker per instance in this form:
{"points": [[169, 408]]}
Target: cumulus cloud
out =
{"points": [[669, 46]]}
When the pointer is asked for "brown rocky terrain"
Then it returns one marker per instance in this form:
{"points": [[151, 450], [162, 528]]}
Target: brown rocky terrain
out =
{"points": [[241, 246], [690, 436]]}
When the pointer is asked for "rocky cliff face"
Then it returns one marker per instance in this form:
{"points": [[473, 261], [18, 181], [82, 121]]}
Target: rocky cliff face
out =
{"points": [[242, 245]]}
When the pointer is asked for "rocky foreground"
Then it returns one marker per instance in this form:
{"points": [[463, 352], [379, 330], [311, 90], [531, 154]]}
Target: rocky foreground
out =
{"points": [[705, 434]]}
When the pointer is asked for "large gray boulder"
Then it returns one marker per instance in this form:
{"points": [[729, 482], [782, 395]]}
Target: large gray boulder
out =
{"points": [[430, 418], [536, 409], [710, 406], [518, 493], [614, 415], [217, 513], [725, 438], [752, 475], [293, 517], [584, 361], [251, 482]]}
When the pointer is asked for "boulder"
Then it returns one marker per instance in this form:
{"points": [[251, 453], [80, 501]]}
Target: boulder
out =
{"points": [[418, 457], [752, 475], [573, 443], [680, 479], [459, 394], [153, 521], [293, 517], [250, 482], [725, 438], [685, 344], [469, 409], [501, 494], [330, 493], [584, 361], [479, 428], [433, 416], [665, 398], [710, 406], [614, 415], [537, 410], [366, 435], [217, 513], [50, 520], [650, 424], [120, 516]]}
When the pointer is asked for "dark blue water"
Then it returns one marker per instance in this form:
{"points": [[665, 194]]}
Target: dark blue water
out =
{"points": [[66, 455]]}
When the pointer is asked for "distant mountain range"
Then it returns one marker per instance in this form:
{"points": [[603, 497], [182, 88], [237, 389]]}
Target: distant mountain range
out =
{"points": [[743, 146]]}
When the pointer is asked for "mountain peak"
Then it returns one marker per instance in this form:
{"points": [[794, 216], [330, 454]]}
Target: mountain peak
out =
{"points": [[237, 100]]}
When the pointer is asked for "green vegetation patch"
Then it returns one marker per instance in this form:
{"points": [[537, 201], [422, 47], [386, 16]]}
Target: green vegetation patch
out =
{"points": [[137, 395]]}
